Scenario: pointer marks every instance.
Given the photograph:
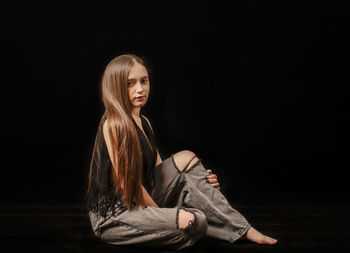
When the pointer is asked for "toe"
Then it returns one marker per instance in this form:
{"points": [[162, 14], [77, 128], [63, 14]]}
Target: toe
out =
{"points": [[271, 241]]}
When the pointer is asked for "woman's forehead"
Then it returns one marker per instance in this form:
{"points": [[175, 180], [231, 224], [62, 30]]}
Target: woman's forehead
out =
{"points": [[137, 71]]}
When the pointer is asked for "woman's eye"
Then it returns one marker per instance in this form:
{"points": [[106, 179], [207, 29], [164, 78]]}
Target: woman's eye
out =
{"points": [[144, 81]]}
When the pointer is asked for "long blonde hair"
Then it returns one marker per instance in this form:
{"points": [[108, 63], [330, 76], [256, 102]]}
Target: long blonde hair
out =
{"points": [[126, 157]]}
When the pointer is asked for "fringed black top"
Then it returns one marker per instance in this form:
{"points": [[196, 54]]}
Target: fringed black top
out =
{"points": [[101, 198]]}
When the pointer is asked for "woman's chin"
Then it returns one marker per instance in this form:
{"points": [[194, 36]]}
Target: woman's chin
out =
{"points": [[138, 104]]}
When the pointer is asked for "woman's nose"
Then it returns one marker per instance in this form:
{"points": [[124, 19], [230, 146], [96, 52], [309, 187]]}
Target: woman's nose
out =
{"points": [[139, 87]]}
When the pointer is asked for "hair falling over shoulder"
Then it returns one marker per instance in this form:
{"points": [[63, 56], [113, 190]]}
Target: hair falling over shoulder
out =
{"points": [[125, 156]]}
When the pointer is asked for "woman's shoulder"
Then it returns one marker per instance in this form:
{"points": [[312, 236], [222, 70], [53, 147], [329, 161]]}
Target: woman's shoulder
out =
{"points": [[102, 129], [106, 136]]}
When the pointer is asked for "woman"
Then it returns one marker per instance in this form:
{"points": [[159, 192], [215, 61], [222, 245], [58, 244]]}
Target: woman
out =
{"points": [[135, 198]]}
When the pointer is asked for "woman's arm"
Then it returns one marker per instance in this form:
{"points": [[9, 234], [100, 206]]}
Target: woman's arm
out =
{"points": [[159, 160], [147, 198]]}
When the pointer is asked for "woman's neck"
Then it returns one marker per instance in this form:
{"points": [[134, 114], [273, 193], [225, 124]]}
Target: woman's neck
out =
{"points": [[135, 112]]}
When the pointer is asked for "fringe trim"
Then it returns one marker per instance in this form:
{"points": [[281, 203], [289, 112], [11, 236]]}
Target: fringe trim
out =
{"points": [[105, 203]]}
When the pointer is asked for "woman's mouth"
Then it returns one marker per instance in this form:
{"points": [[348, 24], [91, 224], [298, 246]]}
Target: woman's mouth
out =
{"points": [[140, 98]]}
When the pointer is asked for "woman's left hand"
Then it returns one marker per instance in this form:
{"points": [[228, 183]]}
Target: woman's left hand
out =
{"points": [[213, 179]]}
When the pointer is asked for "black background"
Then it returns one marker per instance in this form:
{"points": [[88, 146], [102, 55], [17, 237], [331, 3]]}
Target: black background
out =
{"points": [[257, 89]]}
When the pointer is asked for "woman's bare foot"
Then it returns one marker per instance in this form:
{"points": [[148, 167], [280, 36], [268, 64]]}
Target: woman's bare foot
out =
{"points": [[257, 237]]}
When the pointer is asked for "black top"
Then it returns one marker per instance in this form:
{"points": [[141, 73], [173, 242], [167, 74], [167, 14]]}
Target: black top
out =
{"points": [[101, 197], [149, 154]]}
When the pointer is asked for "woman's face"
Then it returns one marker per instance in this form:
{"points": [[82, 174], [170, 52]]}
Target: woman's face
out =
{"points": [[138, 85]]}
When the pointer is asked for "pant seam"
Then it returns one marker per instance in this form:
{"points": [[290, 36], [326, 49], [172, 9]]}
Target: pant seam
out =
{"points": [[193, 191], [142, 230], [244, 230], [241, 232], [177, 216]]}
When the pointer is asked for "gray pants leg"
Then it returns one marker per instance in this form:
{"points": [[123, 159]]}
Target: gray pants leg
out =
{"points": [[158, 227], [190, 189], [153, 228]]}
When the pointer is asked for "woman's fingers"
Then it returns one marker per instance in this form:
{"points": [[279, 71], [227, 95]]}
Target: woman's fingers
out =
{"points": [[217, 185], [212, 177]]}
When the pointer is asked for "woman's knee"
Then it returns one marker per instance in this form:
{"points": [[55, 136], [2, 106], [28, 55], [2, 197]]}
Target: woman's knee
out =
{"points": [[185, 219], [193, 221], [185, 159]]}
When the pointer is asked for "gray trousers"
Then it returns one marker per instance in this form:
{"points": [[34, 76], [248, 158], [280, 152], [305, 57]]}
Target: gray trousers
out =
{"points": [[158, 227]]}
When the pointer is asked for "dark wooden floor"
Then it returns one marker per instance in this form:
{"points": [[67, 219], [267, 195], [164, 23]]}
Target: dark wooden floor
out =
{"points": [[300, 227]]}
